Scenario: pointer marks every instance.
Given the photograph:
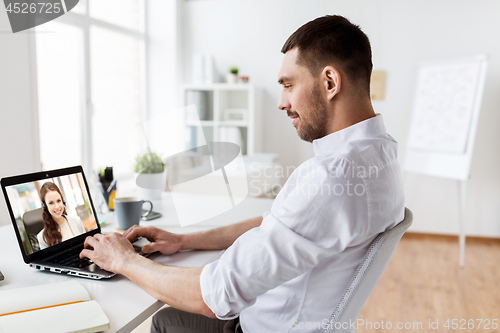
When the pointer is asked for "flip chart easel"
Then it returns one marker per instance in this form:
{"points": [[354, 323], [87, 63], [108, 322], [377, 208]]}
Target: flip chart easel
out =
{"points": [[444, 123]]}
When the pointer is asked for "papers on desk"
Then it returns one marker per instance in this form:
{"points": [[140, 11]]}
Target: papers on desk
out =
{"points": [[57, 307]]}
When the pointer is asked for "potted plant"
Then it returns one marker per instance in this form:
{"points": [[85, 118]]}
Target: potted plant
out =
{"points": [[232, 77], [150, 176]]}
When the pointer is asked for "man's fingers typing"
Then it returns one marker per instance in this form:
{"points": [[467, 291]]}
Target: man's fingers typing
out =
{"points": [[99, 237], [86, 254], [150, 248], [146, 232], [90, 242], [151, 233], [130, 230]]}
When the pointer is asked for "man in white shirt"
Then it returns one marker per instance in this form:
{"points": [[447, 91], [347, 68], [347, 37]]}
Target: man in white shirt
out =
{"points": [[286, 271]]}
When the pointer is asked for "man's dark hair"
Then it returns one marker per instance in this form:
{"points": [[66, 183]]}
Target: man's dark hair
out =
{"points": [[333, 40]]}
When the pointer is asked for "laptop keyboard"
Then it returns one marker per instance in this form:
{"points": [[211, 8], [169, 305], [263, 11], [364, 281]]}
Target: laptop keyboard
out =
{"points": [[71, 258]]}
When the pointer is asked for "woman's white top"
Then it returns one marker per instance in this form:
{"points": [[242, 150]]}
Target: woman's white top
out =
{"points": [[65, 231], [73, 226]]}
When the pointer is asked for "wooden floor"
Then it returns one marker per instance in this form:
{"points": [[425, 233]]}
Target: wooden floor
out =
{"points": [[423, 281]]}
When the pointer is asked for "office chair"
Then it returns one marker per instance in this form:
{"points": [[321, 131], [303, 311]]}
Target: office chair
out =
{"points": [[33, 224], [366, 277]]}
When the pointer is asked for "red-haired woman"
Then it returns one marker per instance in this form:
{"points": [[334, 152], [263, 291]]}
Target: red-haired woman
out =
{"points": [[57, 225]]}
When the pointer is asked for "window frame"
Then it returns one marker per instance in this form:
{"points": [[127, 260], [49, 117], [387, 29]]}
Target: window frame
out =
{"points": [[84, 22]]}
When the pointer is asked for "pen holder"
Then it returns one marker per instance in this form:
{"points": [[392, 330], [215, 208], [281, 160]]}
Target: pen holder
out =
{"points": [[108, 190], [107, 186]]}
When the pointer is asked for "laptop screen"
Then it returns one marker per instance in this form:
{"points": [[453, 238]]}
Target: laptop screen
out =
{"points": [[50, 211]]}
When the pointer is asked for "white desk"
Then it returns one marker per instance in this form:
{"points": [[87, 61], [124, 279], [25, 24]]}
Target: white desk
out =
{"points": [[125, 304]]}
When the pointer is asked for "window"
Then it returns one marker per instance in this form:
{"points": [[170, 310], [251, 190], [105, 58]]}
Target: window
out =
{"points": [[90, 72], [59, 57]]}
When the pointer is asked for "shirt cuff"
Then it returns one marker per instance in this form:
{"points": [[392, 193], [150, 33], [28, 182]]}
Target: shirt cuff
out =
{"points": [[217, 303]]}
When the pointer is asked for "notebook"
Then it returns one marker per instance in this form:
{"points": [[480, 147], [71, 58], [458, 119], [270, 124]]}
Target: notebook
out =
{"points": [[51, 230], [56, 307]]}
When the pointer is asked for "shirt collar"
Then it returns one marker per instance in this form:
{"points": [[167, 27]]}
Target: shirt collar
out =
{"points": [[369, 128]]}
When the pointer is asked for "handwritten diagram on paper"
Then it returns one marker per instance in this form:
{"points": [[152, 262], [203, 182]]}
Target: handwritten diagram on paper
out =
{"points": [[444, 105]]}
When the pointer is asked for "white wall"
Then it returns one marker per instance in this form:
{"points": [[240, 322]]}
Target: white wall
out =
{"points": [[249, 34], [19, 149], [162, 26]]}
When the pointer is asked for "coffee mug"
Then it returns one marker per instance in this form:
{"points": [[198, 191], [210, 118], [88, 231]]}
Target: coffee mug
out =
{"points": [[129, 211]]}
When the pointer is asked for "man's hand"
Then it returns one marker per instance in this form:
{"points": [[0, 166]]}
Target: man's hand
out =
{"points": [[161, 240], [110, 251]]}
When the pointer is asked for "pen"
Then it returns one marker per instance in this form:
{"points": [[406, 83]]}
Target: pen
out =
{"points": [[111, 185]]}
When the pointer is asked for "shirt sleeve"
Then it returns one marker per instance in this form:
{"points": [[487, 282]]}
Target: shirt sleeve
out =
{"points": [[308, 226]]}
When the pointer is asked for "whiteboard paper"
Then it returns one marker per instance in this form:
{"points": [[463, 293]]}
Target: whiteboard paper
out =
{"points": [[444, 103]]}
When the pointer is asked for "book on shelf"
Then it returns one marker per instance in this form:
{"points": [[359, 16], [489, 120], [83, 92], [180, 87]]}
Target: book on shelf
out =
{"points": [[56, 307]]}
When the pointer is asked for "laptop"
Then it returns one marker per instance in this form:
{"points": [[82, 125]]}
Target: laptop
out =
{"points": [[51, 231]]}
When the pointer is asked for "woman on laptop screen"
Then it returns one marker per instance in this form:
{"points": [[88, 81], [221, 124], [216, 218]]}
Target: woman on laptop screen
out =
{"points": [[58, 226]]}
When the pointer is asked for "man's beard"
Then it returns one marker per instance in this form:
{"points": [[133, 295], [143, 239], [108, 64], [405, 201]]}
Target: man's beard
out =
{"points": [[315, 126]]}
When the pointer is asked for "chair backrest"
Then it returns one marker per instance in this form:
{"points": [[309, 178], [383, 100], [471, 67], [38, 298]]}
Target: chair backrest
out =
{"points": [[366, 277], [33, 222]]}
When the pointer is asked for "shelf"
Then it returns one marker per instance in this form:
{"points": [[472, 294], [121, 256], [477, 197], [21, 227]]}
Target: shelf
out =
{"points": [[218, 86], [217, 102], [204, 123], [201, 122], [234, 123]]}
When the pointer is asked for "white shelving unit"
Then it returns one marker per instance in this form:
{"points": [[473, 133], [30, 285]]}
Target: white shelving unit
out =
{"points": [[227, 113]]}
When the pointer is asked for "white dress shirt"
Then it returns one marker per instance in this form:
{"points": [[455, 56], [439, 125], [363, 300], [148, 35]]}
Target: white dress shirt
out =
{"points": [[289, 274]]}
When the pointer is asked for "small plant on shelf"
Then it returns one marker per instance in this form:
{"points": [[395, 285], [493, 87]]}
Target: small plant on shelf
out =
{"points": [[150, 176], [233, 70], [232, 76], [149, 163]]}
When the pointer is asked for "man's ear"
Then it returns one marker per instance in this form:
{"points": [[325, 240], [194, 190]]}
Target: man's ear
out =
{"points": [[332, 81]]}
